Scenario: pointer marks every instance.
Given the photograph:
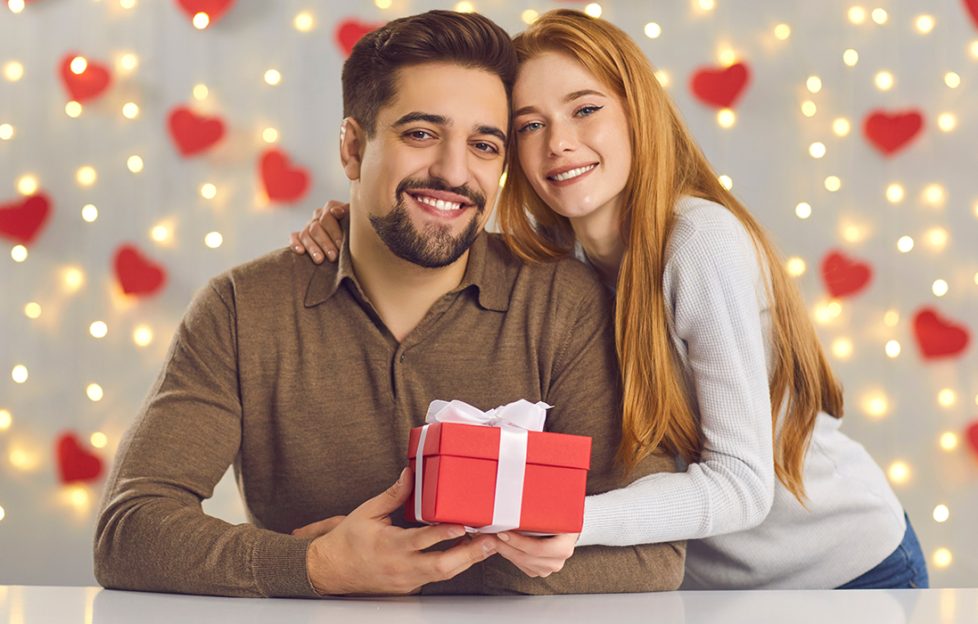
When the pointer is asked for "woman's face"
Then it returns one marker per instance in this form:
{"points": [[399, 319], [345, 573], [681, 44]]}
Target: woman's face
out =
{"points": [[572, 136]]}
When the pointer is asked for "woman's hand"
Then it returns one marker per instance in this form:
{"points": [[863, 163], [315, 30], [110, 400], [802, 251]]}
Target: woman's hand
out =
{"points": [[322, 236], [537, 556]]}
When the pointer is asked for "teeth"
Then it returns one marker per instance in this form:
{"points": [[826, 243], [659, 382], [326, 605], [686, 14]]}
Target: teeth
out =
{"points": [[573, 173], [438, 204]]}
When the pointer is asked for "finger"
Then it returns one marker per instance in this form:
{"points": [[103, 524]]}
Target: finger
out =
{"points": [[445, 564], [323, 239], [333, 229], [315, 251], [322, 527], [338, 209], [296, 244], [557, 546], [390, 499], [540, 566], [426, 537]]}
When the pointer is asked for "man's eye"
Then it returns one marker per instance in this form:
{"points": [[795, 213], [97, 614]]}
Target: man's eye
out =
{"points": [[488, 148], [419, 135]]}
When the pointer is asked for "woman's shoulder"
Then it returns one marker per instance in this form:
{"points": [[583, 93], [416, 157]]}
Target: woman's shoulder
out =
{"points": [[708, 222]]}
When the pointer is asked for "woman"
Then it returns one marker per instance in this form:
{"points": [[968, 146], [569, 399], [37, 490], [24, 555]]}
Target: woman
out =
{"points": [[720, 362]]}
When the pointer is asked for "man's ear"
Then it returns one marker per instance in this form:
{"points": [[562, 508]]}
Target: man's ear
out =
{"points": [[352, 141]]}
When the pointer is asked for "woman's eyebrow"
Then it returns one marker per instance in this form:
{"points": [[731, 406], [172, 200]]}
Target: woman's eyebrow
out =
{"points": [[570, 97]]}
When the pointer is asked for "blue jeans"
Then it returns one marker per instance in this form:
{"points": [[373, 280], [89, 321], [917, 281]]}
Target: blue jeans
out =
{"points": [[904, 568]]}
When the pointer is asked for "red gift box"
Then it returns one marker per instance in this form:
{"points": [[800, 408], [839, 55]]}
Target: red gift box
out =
{"points": [[460, 464]]}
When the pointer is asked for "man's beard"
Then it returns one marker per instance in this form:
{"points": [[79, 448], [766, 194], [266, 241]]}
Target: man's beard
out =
{"points": [[435, 247]]}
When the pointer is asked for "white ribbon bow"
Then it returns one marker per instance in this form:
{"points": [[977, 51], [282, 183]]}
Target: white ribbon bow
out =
{"points": [[513, 420]]}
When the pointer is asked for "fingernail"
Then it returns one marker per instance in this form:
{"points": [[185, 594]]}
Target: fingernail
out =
{"points": [[330, 254], [458, 531], [503, 537], [488, 547], [400, 477], [297, 248]]}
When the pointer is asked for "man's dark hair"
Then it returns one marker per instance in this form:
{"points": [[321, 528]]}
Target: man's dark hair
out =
{"points": [[467, 39]]}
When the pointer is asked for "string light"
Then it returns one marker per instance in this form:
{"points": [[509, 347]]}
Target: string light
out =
{"points": [[201, 20], [529, 16], [933, 195], [382, 4], [6, 132], [18, 253], [273, 77], [842, 348], [161, 233], [857, 15], [127, 63], [803, 210], [19, 373], [464, 7], [948, 441], [808, 108], [952, 80], [134, 163], [99, 439], [706, 5], [726, 182], [593, 9], [200, 92], [895, 193], [23, 459], [142, 335], [78, 65], [269, 135], [924, 24], [213, 240], [892, 349], [32, 310], [86, 175], [941, 513], [127, 4], [891, 318], [726, 118], [841, 126], [826, 312], [653, 30], [947, 397], [937, 238], [973, 48], [899, 472], [303, 21], [3, 514], [833, 184], [6, 419], [939, 288], [98, 329], [947, 122], [813, 84], [795, 266], [208, 191], [850, 57], [94, 392], [130, 110], [727, 56], [13, 71], [905, 244], [89, 213], [942, 558], [880, 16], [15, 6], [876, 405], [27, 184], [73, 109], [816, 150], [73, 278], [782, 31], [663, 78], [884, 80]]}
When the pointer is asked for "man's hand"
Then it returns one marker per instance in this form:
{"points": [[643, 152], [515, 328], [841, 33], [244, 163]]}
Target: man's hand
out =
{"points": [[537, 556], [364, 553]]}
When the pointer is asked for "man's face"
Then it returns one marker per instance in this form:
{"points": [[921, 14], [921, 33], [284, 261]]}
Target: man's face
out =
{"points": [[430, 173]]}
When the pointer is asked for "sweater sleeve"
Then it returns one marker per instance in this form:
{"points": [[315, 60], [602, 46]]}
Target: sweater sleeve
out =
{"points": [[152, 534], [714, 286]]}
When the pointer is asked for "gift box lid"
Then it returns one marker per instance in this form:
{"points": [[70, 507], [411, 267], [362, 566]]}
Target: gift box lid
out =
{"points": [[463, 440]]}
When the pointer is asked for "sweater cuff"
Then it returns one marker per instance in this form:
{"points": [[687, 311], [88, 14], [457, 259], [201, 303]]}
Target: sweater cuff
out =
{"points": [[600, 521], [279, 566]]}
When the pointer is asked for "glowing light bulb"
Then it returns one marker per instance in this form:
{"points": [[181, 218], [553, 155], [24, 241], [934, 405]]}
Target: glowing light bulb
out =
{"points": [[13, 71], [948, 441], [939, 288], [99, 439], [899, 472], [884, 80], [593, 9], [529, 16], [16, 6], [73, 109], [200, 92], [924, 24], [937, 238], [726, 118], [891, 318], [808, 108], [213, 240], [653, 30], [98, 329], [952, 80], [876, 405], [18, 253], [826, 312], [273, 77], [857, 15], [32, 310], [86, 175], [73, 278], [23, 459], [947, 397], [941, 513], [383, 4], [94, 392], [127, 63], [304, 21], [466, 7], [813, 84], [6, 419], [208, 191], [795, 266], [934, 195], [726, 182], [134, 163], [816, 150], [833, 184], [201, 20], [895, 193], [706, 5], [892, 349], [130, 110], [161, 233], [19, 373], [850, 57], [27, 184], [727, 56], [663, 78], [973, 48], [942, 558], [905, 244], [127, 4], [142, 335], [842, 348], [6, 132], [269, 135], [947, 122], [782, 31], [803, 210], [880, 16], [78, 65], [89, 213]]}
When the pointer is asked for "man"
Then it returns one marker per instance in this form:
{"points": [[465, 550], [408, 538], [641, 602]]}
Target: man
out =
{"points": [[308, 378]]}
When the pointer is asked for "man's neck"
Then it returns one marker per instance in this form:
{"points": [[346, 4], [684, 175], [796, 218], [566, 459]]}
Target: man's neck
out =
{"points": [[400, 291]]}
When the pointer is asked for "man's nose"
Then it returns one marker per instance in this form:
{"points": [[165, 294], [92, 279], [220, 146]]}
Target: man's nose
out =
{"points": [[452, 163]]}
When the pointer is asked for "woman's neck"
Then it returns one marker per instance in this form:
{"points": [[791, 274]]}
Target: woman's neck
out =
{"points": [[599, 233]]}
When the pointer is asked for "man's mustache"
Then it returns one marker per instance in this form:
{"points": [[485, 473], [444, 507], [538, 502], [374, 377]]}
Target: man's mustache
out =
{"points": [[434, 184]]}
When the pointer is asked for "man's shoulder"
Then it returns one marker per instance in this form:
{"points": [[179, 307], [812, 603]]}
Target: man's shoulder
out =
{"points": [[273, 277]]}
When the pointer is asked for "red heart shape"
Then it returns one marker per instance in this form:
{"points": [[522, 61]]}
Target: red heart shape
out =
{"points": [[844, 276], [972, 7], [193, 133], [938, 337], [215, 9], [348, 32], [74, 462], [283, 182], [890, 133], [87, 85], [971, 433], [720, 87], [137, 275], [22, 220]]}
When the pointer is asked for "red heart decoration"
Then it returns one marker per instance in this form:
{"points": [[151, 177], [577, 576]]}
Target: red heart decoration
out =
{"points": [[938, 337], [971, 433], [22, 220], [844, 276], [890, 133], [215, 9], [348, 32], [87, 85], [283, 182], [193, 133], [74, 462], [720, 87], [137, 275], [972, 7]]}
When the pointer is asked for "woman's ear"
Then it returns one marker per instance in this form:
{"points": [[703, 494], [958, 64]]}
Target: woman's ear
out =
{"points": [[352, 141]]}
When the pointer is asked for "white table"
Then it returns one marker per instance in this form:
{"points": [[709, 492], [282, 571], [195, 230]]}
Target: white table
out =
{"points": [[93, 605]]}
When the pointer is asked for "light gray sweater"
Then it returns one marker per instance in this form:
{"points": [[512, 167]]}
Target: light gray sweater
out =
{"points": [[746, 529]]}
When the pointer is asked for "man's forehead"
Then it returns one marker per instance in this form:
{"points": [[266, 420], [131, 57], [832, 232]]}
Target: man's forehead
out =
{"points": [[449, 90]]}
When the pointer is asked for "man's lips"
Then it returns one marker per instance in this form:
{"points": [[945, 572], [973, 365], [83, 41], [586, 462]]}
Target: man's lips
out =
{"points": [[443, 196]]}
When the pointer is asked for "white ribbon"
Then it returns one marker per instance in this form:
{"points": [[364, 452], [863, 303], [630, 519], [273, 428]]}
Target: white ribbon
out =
{"points": [[513, 420]]}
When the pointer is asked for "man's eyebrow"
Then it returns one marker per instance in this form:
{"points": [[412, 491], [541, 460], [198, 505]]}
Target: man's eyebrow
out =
{"points": [[441, 120], [570, 97]]}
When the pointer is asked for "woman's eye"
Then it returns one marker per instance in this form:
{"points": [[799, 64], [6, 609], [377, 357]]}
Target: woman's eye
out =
{"points": [[530, 127], [584, 111]]}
